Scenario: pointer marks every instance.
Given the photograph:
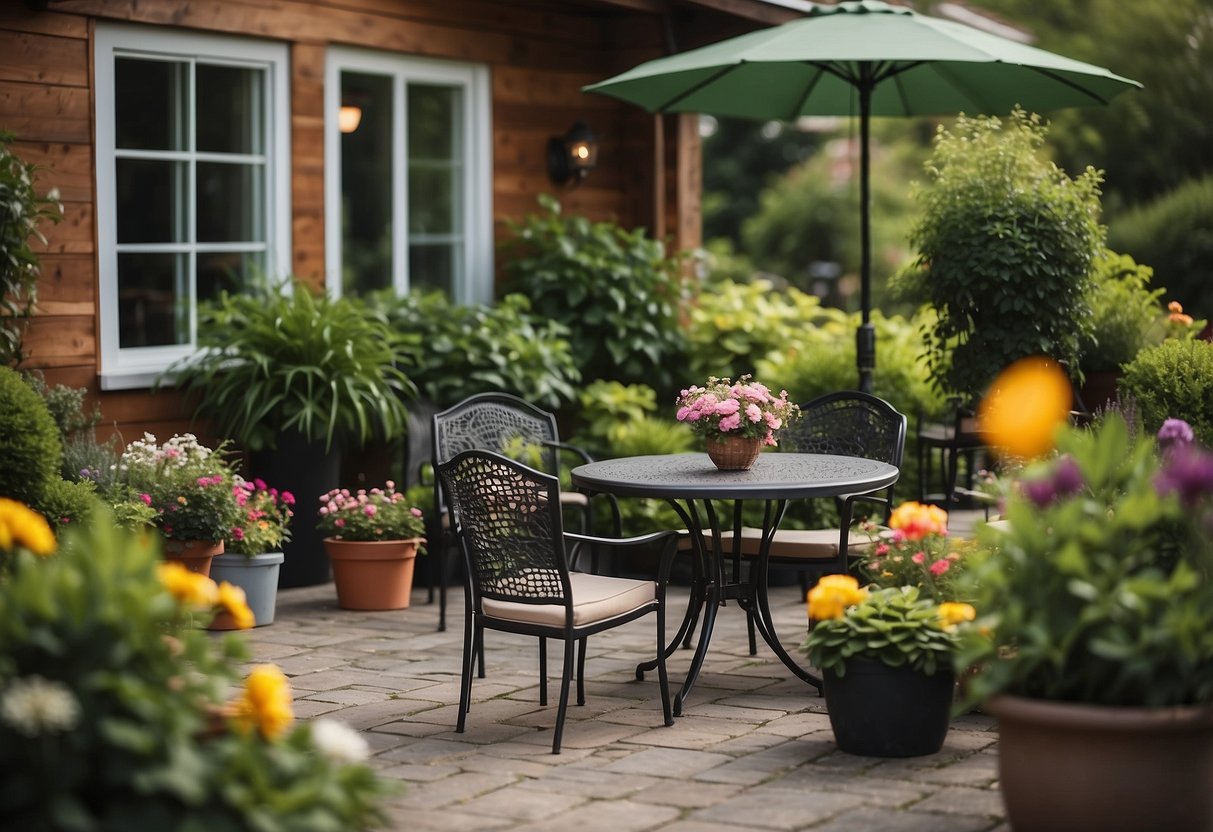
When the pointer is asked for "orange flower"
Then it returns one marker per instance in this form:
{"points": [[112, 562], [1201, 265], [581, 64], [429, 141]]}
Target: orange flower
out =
{"points": [[916, 520], [188, 587], [22, 526], [265, 704], [1024, 407], [233, 601], [832, 595]]}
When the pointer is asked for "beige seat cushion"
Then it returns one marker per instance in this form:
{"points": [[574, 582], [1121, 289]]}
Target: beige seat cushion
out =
{"points": [[595, 598], [573, 498], [801, 544], [1000, 525]]}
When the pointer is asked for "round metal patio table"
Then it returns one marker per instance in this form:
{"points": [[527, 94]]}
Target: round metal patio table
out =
{"points": [[689, 482]]}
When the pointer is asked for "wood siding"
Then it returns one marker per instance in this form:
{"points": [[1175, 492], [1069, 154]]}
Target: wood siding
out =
{"points": [[539, 54]]}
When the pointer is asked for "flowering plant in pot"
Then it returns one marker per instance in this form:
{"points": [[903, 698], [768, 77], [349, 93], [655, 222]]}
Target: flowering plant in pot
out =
{"points": [[1099, 594], [916, 550], [372, 538], [886, 657], [742, 414], [188, 485], [253, 556]]}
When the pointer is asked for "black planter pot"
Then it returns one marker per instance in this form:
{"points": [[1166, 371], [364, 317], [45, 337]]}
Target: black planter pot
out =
{"points": [[306, 470], [881, 711]]}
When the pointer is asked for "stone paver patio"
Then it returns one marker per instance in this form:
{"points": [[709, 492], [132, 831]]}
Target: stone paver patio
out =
{"points": [[753, 749]]}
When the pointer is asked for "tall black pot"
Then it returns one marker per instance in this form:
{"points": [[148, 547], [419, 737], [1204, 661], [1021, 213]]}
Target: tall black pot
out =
{"points": [[307, 470], [881, 711]]}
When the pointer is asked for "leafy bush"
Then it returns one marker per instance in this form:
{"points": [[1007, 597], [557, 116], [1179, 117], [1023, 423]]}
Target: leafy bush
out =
{"points": [[615, 290], [1123, 311], [69, 502], [1173, 380], [112, 711], [1005, 245], [21, 211], [1174, 233], [30, 449], [457, 351], [272, 361]]}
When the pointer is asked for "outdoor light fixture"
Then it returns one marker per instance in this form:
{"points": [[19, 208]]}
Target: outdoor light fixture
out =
{"points": [[572, 155], [349, 117]]}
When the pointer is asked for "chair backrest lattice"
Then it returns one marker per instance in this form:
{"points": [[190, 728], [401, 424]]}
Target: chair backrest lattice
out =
{"points": [[508, 516], [497, 422], [849, 423]]}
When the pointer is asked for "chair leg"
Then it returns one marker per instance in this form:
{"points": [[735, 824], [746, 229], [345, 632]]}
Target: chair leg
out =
{"points": [[480, 651], [663, 679], [581, 643], [465, 676], [749, 626], [543, 670], [564, 693]]}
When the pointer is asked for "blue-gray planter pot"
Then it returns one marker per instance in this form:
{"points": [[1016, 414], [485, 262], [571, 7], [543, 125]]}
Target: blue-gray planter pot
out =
{"points": [[257, 575]]}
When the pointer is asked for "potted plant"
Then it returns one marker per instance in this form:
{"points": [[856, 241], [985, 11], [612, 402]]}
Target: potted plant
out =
{"points": [[252, 557], [372, 538], [289, 376], [736, 419], [1099, 660], [189, 486], [916, 550], [886, 660]]}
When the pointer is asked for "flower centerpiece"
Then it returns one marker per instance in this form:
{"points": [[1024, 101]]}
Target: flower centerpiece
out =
{"points": [[188, 485], [736, 418], [1098, 598], [886, 658], [915, 550], [372, 537]]}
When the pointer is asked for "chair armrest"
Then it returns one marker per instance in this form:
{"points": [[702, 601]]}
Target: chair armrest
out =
{"points": [[573, 449], [582, 539]]}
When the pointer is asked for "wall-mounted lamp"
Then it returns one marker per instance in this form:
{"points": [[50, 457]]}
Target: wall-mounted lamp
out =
{"points": [[349, 117], [572, 155]]}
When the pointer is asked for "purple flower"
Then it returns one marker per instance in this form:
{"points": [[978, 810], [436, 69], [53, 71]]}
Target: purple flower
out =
{"points": [[1188, 472], [1175, 433], [1040, 492], [1067, 477]]}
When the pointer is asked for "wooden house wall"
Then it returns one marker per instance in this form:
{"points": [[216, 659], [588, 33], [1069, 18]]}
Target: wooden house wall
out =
{"points": [[539, 54]]}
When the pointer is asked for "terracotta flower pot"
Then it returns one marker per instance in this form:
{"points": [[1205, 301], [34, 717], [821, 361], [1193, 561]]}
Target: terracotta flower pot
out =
{"points": [[194, 555], [1072, 767], [373, 574], [733, 453]]}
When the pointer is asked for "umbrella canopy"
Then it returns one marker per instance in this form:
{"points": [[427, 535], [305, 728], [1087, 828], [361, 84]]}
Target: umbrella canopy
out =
{"points": [[864, 58]]}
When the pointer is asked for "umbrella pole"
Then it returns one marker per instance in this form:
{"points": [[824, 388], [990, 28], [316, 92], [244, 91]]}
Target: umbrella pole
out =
{"points": [[865, 337]]}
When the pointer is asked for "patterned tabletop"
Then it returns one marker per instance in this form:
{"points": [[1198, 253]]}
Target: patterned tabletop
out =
{"points": [[774, 476]]}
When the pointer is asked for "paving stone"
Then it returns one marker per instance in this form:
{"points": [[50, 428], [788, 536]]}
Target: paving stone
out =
{"points": [[886, 820], [691, 794], [605, 816], [457, 788], [962, 801], [520, 803], [768, 809], [668, 762]]}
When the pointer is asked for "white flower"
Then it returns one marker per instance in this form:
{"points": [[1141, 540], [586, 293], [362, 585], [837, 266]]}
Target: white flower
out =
{"points": [[33, 706], [339, 742]]}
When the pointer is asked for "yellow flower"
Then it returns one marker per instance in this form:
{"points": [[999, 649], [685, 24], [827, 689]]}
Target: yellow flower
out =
{"points": [[916, 520], [832, 595], [188, 587], [232, 600], [952, 613], [22, 526], [265, 704], [1025, 405]]}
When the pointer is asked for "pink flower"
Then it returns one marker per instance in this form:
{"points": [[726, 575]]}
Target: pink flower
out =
{"points": [[918, 557], [146, 498], [339, 522], [288, 498], [753, 412], [416, 512], [728, 407], [881, 550], [773, 421], [369, 510], [729, 423], [684, 413], [939, 567]]}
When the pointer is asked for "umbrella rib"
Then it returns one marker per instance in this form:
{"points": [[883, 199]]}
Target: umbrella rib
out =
{"points": [[1067, 82], [682, 96], [821, 70]]}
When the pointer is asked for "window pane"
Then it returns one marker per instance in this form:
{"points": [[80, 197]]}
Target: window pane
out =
{"points": [[431, 201], [432, 266], [153, 300], [149, 104], [366, 185], [227, 271], [231, 203], [151, 201], [433, 126], [230, 109]]}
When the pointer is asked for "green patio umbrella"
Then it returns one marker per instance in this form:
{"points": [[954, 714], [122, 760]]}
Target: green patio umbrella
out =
{"points": [[865, 58]]}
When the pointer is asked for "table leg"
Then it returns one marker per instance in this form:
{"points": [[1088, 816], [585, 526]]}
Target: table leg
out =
{"points": [[697, 598], [712, 566]]}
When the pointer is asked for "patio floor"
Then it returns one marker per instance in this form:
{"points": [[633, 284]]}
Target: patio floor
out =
{"points": [[753, 749]]}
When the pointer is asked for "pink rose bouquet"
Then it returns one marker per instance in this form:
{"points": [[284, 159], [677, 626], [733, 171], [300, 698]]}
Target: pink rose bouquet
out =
{"points": [[743, 408]]}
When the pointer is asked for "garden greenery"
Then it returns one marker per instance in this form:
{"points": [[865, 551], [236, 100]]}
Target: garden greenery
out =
{"points": [[1006, 245], [615, 290], [1173, 380], [1124, 313]]}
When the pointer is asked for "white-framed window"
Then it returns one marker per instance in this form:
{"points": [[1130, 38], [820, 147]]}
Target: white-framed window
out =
{"points": [[193, 185], [408, 175]]}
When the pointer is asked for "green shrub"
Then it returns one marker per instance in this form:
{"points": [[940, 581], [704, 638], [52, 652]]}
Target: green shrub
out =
{"points": [[456, 351], [615, 290], [1173, 380], [21, 211], [68, 503], [30, 450], [126, 734], [1174, 233], [1005, 244], [1124, 311]]}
